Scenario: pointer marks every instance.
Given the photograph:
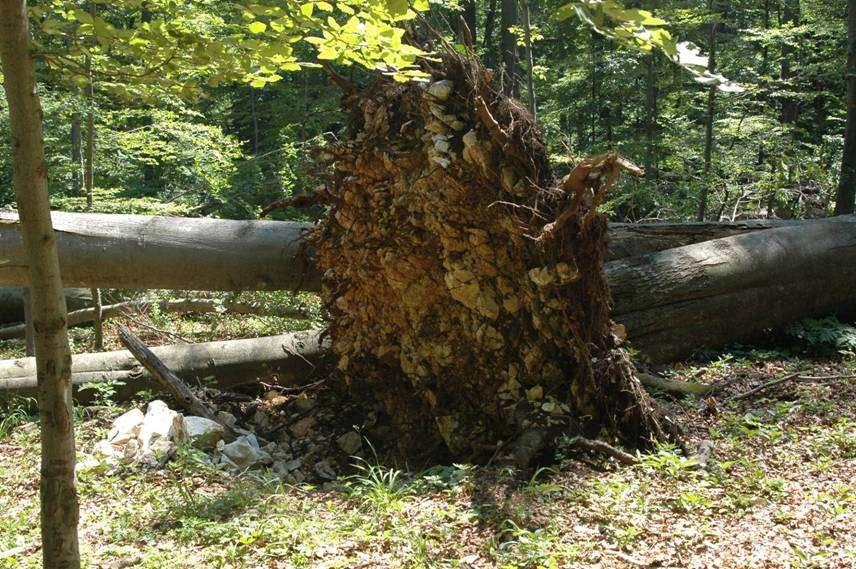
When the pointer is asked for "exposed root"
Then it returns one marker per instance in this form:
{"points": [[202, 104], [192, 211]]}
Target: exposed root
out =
{"points": [[473, 321]]}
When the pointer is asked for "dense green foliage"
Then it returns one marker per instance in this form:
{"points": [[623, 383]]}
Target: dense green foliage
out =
{"points": [[198, 111]]}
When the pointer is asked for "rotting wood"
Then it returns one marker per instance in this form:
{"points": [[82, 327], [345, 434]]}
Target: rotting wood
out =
{"points": [[601, 447]]}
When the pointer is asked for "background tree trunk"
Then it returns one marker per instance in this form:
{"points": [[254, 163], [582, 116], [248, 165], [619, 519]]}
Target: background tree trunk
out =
{"points": [[470, 20], [76, 138], [488, 44], [58, 488], [530, 61], [845, 197], [708, 123], [651, 142], [790, 105], [89, 178], [508, 48]]}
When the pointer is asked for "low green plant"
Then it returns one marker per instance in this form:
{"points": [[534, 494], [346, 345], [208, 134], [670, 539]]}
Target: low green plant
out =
{"points": [[16, 412], [824, 335]]}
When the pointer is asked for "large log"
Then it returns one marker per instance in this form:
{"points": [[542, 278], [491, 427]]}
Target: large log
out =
{"points": [[143, 252], [12, 301], [631, 239], [700, 295], [293, 357], [730, 289]]}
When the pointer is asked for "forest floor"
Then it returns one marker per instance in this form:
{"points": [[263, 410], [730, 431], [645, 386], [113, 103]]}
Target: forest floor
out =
{"points": [[778, 492]]}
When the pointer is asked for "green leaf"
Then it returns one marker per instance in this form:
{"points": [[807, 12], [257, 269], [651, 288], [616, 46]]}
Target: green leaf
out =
{"points": [[257, 27]]}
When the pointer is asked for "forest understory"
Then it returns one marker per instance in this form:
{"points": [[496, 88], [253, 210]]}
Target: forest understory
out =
{"points": [[776, 491]]}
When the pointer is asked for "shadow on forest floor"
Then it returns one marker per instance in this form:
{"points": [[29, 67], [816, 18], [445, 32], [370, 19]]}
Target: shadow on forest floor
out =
{"points": [[782, 468]]}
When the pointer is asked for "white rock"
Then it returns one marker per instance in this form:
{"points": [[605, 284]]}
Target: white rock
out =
{"points": [[441, 90], [131, 449], [245, 452], [226, 418], [350, 442], [105, 448], [324, 470], [126, 426], [161, 422], [156, 454], [282, 467], [203, 433]]}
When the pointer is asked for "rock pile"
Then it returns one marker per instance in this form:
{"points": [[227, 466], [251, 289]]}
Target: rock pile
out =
{"points": [[294, 438]]}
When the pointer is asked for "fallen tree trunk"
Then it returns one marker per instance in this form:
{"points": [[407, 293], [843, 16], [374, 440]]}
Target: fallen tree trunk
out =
{"points": [[184, 306], [716, 292], [669, 308], [292, 357], [142, 252], [12, 300], [632, 239]]}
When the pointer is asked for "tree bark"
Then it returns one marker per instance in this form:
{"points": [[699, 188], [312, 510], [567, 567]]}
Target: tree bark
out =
{"points": [[141, 252], [651, 117], [12, 301], [508, 48], [489, 25], [845, 197], [726, 290], [292, 358], [76, 155], [790, 105], [29, 331], [469, 19], [58, 486], [530, 61], [708, 123], [89, 180]]}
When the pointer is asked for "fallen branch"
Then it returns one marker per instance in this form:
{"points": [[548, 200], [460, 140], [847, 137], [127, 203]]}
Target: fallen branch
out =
{"points": [[797, 376], [604, 448], [765, 386], [293, 358], [675, 386], [168, 380], [185, 306]]}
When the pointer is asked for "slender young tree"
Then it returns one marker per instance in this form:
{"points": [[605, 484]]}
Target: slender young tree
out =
{"points": [[89, 180], [530, 61], [708, 123], [468, 19], [651, 116], [58, 486], [790, 105], [845, 198]]}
